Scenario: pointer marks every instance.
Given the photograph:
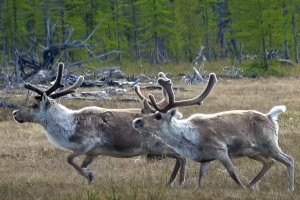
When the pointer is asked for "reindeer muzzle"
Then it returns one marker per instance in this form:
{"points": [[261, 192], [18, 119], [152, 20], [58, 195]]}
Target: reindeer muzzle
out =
{"points": [[16, 116], [138, 123]]}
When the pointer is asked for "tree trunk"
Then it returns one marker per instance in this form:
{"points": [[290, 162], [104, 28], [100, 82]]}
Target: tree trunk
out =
{"points": [[295, 38], [190, 56], [2, 30], [63, 31], [263, 39], [135, 33], [155, 37], [15, 37], [116, 5], [286, 50], [92, 16], [286, 43], [236, 51], [46, 15], [15, 23], [207, 33], [222, 27]]}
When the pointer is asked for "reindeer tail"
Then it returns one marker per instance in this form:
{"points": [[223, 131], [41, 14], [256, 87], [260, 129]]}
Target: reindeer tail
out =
{"points": [[275, 111]]}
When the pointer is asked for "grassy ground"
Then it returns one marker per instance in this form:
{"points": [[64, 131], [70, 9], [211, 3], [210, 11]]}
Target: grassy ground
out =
{"points": [[32, 168]]}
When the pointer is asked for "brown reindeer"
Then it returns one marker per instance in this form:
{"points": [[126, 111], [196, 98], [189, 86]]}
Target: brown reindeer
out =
{"points": [[93, 131], [220, 136]]}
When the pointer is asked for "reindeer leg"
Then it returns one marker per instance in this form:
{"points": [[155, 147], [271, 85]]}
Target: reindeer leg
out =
{"points": [[267, 164], [224, 158], [82, 171], [288, 161], [87, 161], [180, 165], [204, 167], [174, 173], [156, 146], [182, 171]]}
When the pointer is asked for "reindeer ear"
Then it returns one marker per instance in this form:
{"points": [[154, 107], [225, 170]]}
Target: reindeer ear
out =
{"points": [[45, 100], [178, 115], [173, 113]]}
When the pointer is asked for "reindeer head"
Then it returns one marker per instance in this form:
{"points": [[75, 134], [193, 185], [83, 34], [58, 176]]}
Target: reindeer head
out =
{"points": [[163, 115], [31, 113], [44, 101]]}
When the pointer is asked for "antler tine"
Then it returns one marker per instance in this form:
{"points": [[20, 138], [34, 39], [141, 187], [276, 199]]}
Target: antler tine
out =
{"points": [[162, 75], [166, 84], [198, 100], [172, 103], [33, 88], [147, 107], [68, 90], [57, 84], [147, 104], [137, 90]]}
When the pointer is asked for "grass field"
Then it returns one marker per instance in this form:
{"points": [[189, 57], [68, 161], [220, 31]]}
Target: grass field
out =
{"points": [[32, 168]]}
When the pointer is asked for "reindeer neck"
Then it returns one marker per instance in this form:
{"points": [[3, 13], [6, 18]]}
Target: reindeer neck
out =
{"points": [[58, 118], [60, 125], [182, 137]]}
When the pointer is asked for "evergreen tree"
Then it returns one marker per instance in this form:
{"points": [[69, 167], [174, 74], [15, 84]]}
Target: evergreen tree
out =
{"points": [[257, 26], [155, 28], [186, 38]]}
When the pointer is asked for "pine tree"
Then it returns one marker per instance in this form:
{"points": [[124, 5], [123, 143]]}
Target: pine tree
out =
{"points": [[257, 26], [186, 38], [155, 27]]}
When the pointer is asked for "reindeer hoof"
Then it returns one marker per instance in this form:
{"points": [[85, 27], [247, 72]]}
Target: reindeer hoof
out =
{"points": [[252, 187], [90, 178], [88, 175], [170, 184]]}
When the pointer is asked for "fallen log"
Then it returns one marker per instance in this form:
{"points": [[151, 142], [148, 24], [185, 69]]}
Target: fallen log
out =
{"points": [[285, 62]]}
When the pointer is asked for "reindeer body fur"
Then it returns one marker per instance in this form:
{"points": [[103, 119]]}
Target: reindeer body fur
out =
{"points": [[238, 132], [97, 131], [93, 131], [103, 131], [222, 136]]}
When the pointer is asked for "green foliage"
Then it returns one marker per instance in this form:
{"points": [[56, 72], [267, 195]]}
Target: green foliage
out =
{"points": [[186, 41], [156, 31], [254, 69]]}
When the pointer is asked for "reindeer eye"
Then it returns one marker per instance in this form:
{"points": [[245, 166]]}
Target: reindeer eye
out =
{"points": [[158, 116]]}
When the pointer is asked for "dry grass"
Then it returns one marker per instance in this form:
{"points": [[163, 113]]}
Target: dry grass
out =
{"points": [[32, 168]]}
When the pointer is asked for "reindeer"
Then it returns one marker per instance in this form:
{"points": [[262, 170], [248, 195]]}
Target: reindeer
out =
{"points": [[93, 131], [220, 136]]}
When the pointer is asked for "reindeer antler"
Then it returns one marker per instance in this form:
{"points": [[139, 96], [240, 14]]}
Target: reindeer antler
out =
{"points": [[57, 84], [68, 90], [167, 85], [147, 104], [54, 87]]}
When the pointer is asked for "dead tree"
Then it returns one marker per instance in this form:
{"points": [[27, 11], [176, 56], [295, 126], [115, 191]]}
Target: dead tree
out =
{"points": [[30, 64], [200, 58]]}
